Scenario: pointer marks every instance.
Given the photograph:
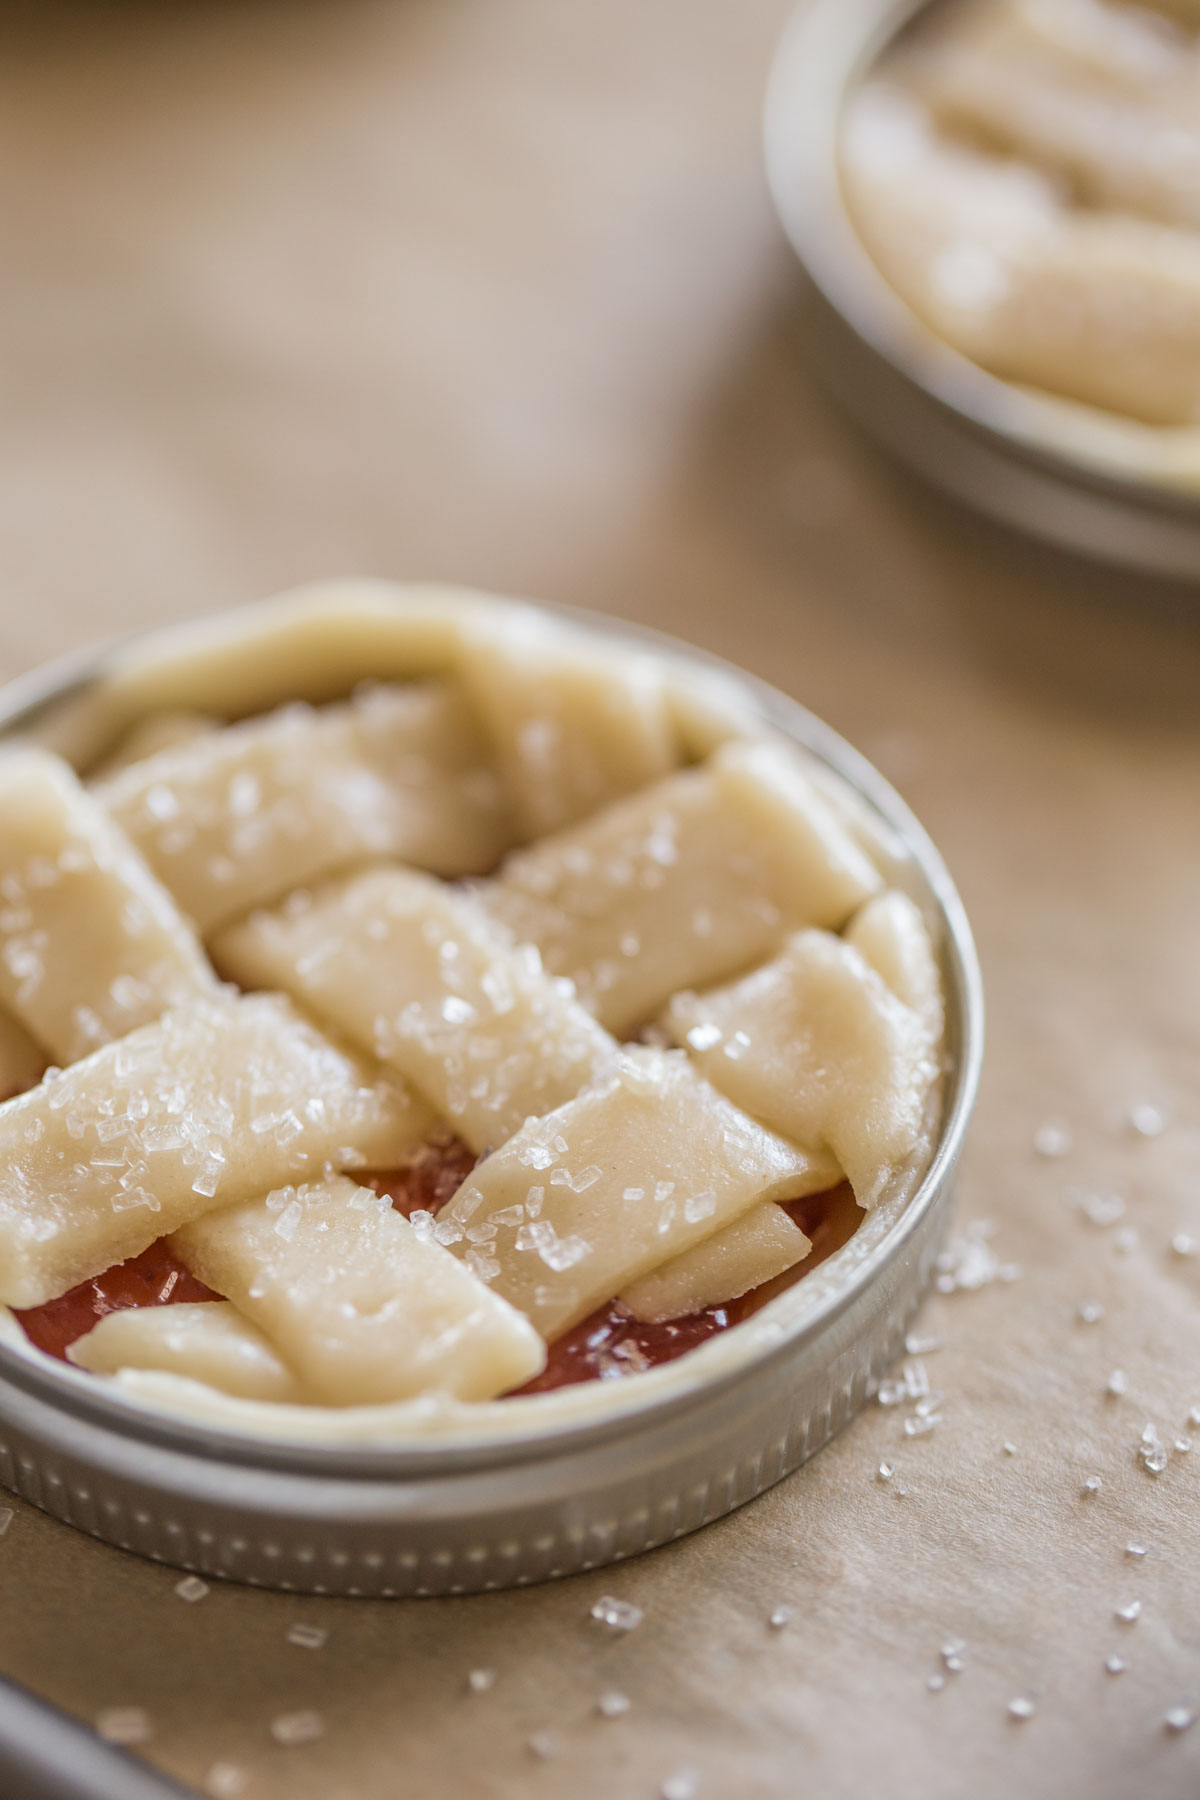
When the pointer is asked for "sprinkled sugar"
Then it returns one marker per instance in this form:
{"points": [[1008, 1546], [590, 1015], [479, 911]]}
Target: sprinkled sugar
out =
{"points": [[1021, 1708], [479, 1681], [619, 1615], [225, 1781], [613, 1705], [307, 1637], [684, 1784], [781, 1616], [292, 1729], [1152, 1452], [545, 1744], [1053, 1138], [1129, 1614], [1180, 1718], [124, 1725], [191, 1588]]}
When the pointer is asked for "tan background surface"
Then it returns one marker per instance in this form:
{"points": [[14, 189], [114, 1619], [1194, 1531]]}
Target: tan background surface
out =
{"points": [[491, 291]]}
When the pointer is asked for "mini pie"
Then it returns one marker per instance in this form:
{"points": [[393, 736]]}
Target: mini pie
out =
{"points": [[520, 1015]]}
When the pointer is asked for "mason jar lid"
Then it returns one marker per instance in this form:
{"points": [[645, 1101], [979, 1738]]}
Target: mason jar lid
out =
{"points": [[1079, 479]]}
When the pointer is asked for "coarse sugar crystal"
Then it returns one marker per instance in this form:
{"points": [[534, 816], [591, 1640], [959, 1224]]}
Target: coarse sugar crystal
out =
{"points": [[479, 1681], [1053, 1138], [545, 1745], [1180, 1718], [307, 1637], [191, 1588], [225, 1781], [1130, 1613], [1147, 1119], [1118, 1384], [683, 1784], [619, 1615], [1152, 1452], [1115, 1665], [124, 1724], [1092, 1484], [781, 1616], [613, 1705], [1102, 1208], [292, 1729], [916, 1379], [1022, 1707]]}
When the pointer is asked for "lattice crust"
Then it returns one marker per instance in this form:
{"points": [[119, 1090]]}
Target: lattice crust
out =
{"points": [[418, 974], [756, 1248], [816, 1046], [211, 1342], [360, 1304], [688, 882], [91, 946], [161, 731], [314, 848], [237, 818], [216, 1102], [635, 1170], [573, 726], [892, 936]]}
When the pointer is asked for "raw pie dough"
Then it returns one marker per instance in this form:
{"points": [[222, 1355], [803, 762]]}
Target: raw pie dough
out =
{"points": [[242, 969], [1026, 174]]}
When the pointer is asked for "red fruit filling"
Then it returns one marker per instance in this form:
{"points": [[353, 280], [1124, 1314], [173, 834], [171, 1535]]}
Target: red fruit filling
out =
{"points": [[609, 1343]]}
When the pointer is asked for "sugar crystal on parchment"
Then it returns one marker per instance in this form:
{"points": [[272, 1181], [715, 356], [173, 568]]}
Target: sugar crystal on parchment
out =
{"points": [[620, 1615], [296, 1728], [1052, 1138], [225, 1781], [124, 1724]]}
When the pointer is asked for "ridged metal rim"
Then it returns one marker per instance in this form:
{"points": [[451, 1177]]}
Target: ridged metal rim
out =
{"points": [[991, 444], [151, 1457]]}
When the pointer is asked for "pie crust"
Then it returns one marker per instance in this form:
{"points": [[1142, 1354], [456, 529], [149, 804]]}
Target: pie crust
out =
{"points": [[289, 902]]}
